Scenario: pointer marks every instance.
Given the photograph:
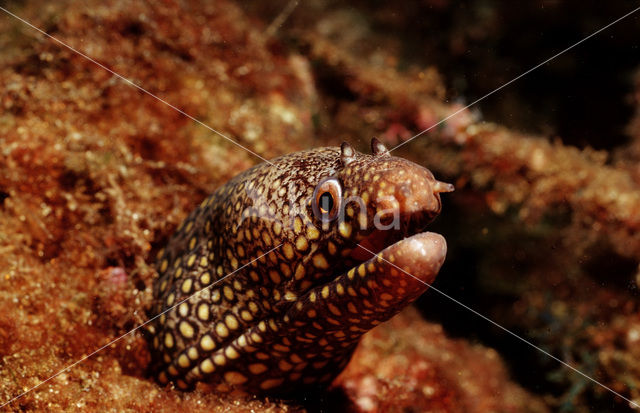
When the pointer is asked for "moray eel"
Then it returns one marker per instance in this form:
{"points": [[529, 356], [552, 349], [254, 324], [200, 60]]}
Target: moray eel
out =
{"points": [[269, 284]]}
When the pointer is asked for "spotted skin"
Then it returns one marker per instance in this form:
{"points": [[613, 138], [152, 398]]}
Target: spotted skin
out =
{"points": [[293, 317]]}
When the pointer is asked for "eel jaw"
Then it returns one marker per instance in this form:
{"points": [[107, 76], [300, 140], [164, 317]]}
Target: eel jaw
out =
{"points": [[329, 320], [419, 256], [412, 262]]}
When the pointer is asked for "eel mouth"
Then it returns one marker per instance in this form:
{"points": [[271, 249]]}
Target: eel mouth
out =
{"points": [[395, 241], [373, 243], [380, 239], [409, 250]]}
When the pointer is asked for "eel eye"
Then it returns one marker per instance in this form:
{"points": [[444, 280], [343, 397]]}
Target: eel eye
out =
{"points": [[326, 202], [327, 198]]}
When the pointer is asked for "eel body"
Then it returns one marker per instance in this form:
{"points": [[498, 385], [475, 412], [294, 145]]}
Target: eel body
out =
{"points": [[269, 284]]}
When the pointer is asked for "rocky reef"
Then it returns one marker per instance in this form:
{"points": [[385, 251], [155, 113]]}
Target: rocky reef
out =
{"points": [[544, 232]]}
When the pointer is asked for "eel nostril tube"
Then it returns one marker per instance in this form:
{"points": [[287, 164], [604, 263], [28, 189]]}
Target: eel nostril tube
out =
{"points": [[440, 187]]}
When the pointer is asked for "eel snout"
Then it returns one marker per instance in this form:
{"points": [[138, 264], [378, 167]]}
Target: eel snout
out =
{"points": [[407, 194]]}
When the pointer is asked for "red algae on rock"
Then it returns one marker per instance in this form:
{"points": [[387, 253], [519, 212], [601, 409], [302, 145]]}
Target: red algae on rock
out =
{"points": [[410, 364]]}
